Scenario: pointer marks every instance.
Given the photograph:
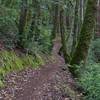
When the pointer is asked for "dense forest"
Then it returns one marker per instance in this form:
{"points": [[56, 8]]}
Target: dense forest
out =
{"points": [[49, 50]]}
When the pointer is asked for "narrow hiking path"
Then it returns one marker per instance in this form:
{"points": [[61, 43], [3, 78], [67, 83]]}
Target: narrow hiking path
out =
{"points": [[49, 82]]}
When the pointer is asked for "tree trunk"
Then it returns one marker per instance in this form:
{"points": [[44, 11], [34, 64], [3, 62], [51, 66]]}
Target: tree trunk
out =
{"points": [[86, 34], [56, 22], [76, 27], [34, 30], [97, 35], [63, 36], [22, 22]]}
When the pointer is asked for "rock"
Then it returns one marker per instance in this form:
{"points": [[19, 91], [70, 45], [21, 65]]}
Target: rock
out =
{"points": [[67, 99]]}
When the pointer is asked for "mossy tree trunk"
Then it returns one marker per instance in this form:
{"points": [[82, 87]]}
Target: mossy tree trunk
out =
{"points": [[97, 35], [76, 26], [56, 21], [22, 22], [36, 21], [86, 34], [63, 35]]}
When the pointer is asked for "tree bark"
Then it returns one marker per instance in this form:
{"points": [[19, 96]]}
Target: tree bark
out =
{"points": [[63, 36], [56, 22], [86, 34], [97, 35], [34, 30], [76, 27], [22, 22]]}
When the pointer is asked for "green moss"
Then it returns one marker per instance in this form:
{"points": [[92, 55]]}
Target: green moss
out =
{"points": [[10, 61], [86, 34]]}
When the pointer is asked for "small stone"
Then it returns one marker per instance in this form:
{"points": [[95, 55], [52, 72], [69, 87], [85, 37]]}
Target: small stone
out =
{"points": [[67, 99], [1, 97]]}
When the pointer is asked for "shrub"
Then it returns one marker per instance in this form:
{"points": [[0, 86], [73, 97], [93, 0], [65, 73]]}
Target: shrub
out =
{"points": [[8, 28], [10, 61], [90, 81], [96, 49]]}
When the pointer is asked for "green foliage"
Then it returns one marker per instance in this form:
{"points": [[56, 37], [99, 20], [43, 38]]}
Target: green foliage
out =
{"points": [[9, 36], [43, 44], [8, 28], [89, 74], [94, 52], [90, 80], [1, 84], [45, 40], [96, 49], [10, 61]]}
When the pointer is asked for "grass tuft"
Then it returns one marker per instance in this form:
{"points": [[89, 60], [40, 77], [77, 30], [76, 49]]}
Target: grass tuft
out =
{"points": [[10, 61]]}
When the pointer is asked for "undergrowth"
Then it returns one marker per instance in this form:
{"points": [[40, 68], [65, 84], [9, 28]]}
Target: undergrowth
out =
{"points": [[90, 81], [10, 61], [89, 74]]}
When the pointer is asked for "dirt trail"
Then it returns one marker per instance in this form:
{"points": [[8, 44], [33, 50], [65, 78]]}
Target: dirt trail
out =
{"points": [[49, 82]]}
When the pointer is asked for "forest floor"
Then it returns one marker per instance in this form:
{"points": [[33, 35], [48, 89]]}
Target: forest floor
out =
{"points": [[51, 81]]}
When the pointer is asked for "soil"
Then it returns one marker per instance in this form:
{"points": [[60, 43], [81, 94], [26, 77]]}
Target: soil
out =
{"points": [[52, 81]]}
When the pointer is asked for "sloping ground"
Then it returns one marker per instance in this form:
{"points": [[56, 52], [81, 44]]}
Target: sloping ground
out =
{"points": [[52, 81]]}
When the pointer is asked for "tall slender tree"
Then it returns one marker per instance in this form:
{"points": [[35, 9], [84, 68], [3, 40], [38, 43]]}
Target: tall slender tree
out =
{"points": [[22, 22], [76, 26], [98, 20], [36, 17], [63, 35], [56, 21]]}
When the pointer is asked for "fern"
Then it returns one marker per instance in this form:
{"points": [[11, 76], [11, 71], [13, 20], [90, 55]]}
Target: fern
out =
{"points": [[10, 61]]}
